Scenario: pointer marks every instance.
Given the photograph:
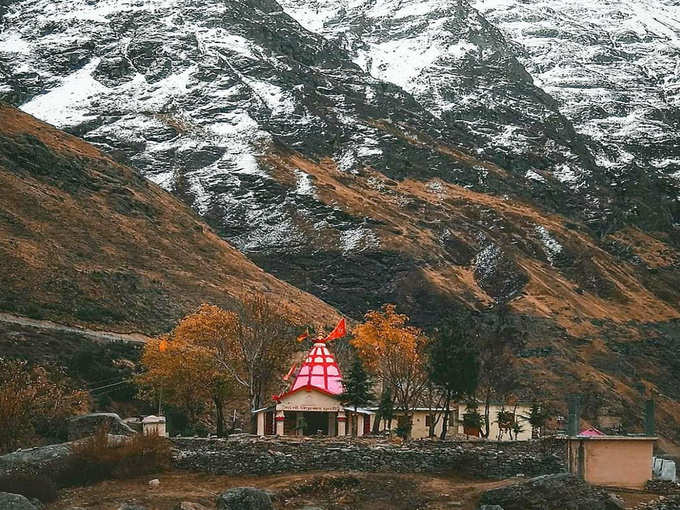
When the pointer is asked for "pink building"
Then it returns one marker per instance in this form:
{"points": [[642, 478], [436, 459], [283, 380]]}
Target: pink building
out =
{"points": [[310, 406]]}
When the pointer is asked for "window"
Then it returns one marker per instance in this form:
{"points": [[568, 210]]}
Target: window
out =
{"points": [[428, 420]]}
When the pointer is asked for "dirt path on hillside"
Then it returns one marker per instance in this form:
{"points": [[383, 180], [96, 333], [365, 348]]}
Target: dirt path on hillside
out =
{"points": [[94, 334]]}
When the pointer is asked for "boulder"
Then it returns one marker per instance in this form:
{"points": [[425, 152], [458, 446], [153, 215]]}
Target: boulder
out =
{"points": [[131, 506], [88, 424], [14, 502], [37, 503], [188, 505], [244, 498], [155, 483], [663, 503], [550, 492], [44, 460], [664, 469]]}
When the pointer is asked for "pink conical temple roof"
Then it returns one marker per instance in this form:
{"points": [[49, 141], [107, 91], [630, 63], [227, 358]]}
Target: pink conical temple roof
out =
{"points": [[319, 371]]}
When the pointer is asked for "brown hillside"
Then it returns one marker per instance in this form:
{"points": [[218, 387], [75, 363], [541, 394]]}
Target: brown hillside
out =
{"points": [[88, 241], [602, 315]]}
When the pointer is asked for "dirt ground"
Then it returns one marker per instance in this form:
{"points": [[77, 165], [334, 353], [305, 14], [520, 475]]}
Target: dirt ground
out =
{"points": [[336, 491]]}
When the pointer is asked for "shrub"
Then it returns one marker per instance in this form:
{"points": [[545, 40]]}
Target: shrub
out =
{"points": [[35, 404], [30, 486], [102, 457]]}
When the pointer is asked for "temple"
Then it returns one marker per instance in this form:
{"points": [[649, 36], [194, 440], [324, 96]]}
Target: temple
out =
{"points": [[311, 406]]}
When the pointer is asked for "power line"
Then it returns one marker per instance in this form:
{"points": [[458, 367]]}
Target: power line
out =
{"points": [[109, 385]]}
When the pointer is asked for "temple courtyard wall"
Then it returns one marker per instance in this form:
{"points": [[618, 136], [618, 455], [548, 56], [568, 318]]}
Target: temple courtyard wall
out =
{"points": [[484, 459]]}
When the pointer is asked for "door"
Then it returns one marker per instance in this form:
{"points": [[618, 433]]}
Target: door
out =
{"points": [[367, 424], [269, 423]]}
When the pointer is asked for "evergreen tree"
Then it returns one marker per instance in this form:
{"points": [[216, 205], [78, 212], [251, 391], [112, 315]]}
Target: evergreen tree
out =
{"points": [[453, 364], [537, 418], [386, 408], [357, 389]]}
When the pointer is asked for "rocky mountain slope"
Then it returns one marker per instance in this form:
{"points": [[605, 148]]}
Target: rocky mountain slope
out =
{"points": [[86, 240], [388, 151]]}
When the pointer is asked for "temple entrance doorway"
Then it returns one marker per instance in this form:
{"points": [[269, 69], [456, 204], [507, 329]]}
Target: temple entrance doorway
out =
{"points": [[315, 423]]}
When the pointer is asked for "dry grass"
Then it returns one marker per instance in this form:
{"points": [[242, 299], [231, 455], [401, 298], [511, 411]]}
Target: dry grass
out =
{"points": [[103, 457], [118, 253]]}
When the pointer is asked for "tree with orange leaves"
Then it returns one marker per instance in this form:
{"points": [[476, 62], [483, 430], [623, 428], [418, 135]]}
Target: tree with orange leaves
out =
{"points": [[188, 377], [250, 346], [395, 352]]}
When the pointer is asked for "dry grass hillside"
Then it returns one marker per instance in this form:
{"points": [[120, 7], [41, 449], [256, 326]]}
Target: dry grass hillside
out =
{"points": [[602, 313], [84, 240]]}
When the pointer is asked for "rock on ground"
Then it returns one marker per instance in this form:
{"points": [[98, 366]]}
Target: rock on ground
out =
{"points": [[14, 502], [551, 492], [663, 503], [87, 425], [188, 505], [46, 460], [244, 498]]}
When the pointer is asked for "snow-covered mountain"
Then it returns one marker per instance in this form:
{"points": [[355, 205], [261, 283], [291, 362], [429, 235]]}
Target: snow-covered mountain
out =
{"points": [[613, 66], [462, 69], [586, 92], [373, 151]]}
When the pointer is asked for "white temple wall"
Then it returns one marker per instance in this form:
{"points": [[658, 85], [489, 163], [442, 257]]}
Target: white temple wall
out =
{"points": [[309, 401]]}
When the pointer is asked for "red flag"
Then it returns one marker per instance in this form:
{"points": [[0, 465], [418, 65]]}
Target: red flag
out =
{"points": [[303, 336], [339, 331]]}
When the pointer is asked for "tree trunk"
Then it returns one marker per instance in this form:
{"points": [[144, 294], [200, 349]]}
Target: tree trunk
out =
{"points": [[219, 416], [356, 422], [445, 424], [487, 425], [376, 424], [252, 423], [430, 429]]}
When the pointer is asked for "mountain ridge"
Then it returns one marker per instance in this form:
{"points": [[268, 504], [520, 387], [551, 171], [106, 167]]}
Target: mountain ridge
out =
{"points": [[349, 188]]}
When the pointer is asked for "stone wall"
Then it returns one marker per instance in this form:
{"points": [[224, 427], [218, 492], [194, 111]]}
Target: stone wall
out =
{"points": [[249, 455]]}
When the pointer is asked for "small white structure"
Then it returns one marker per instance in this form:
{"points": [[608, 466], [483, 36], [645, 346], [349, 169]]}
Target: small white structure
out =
{"points": [[154, 425], [664, 469]]}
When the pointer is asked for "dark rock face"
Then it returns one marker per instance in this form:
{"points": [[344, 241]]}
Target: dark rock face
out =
{"points": [[14, 502], [88, 424], [244, 498], [270, 456], [550, 492], [498, 274]]}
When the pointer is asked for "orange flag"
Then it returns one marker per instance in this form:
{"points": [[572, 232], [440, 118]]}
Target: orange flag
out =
{"points": [[163, 346], [303, 336], [339, 331]]}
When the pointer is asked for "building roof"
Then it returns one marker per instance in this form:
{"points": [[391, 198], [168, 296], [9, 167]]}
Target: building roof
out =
{"points": [[319, 372], [591, 432]]}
